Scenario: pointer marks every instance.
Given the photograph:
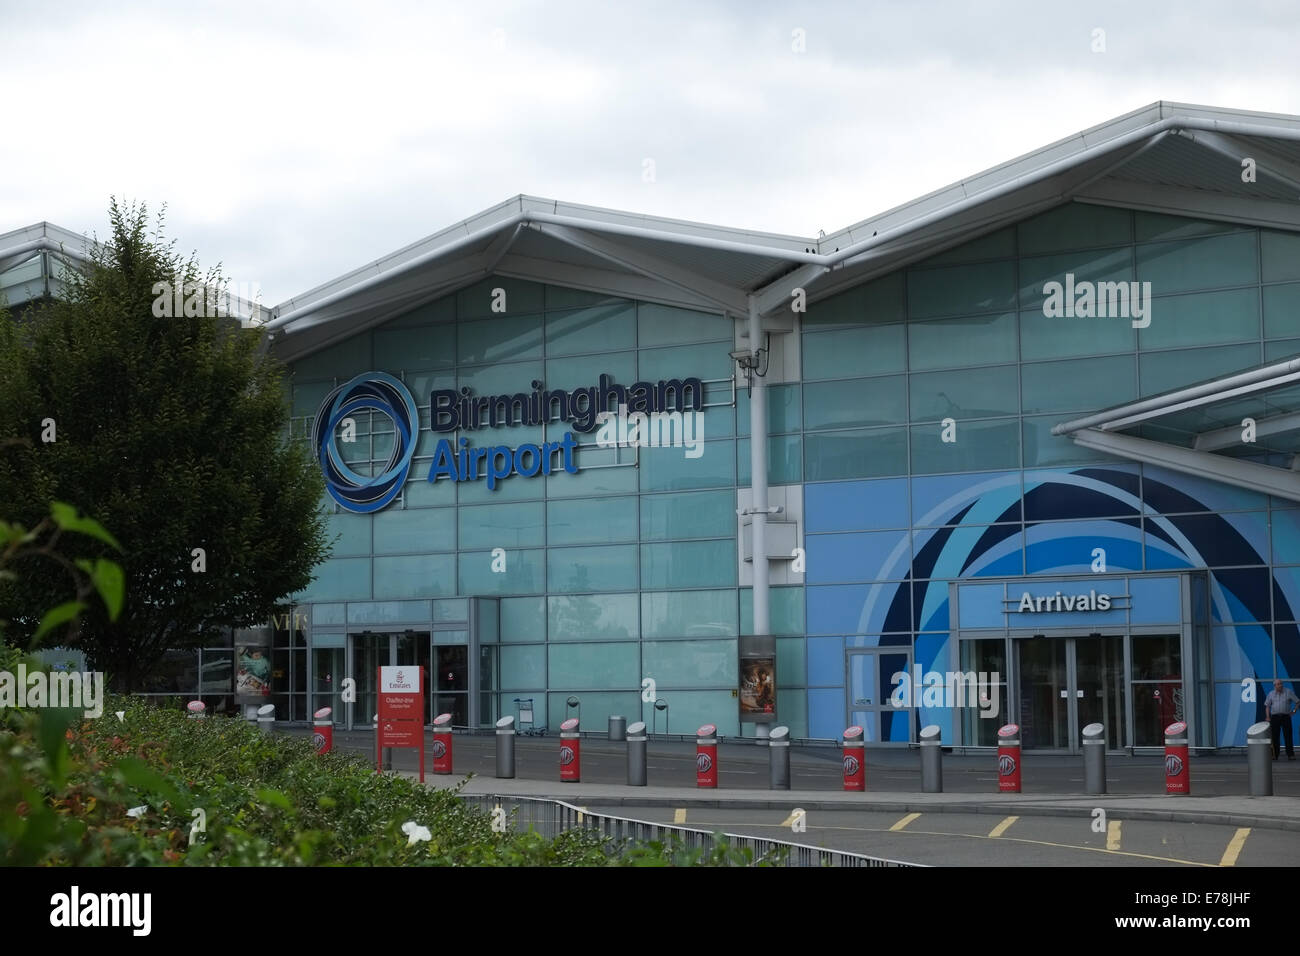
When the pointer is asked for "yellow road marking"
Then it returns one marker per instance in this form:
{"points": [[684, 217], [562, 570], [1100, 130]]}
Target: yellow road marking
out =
{"points": [[1112, 835], [679, 815], [977, 836], [787, 821], [903, 822], [1002, 827], [1234, 847]]}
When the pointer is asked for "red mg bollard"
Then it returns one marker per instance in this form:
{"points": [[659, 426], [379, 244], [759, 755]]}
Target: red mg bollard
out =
{"points": [[1009, 759], [1177, 770], [706, 756], [570, 752], [442, 743], [322, 737], [855, 760]]}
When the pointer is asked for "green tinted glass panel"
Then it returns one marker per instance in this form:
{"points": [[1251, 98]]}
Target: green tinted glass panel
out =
{"points": [[1079, 384], [505, 379], [353, 534], [961, 290], [1162, 371], [597, 328], [505, 338], [1099, 265], [689, 614], [790, 664], [1042, 337], [1150, 225], [340, 361], [594, 481], [419, 493], [560, 297], [712, 360], [1075, 226], [415, 576], [1282, 310], [414, 530], [611, 568], [668, 469], [996, 245], [593, 617], [1198, 263], [862, 401], [595, 521], [1281, 349], [425, 349], [847, 353], [481, 299], [965, 393], [523, 619], [1203, 318], [700, 514], [782, 410], [339, 579], [979, 446], [878, 301], [666, 325], [523, 668], [441, 311], [524, 572], [785, 606], [1281, 253], [860, 453], [1044, 448], [962, 342], [502, 526], [689, 564], [690, 663], [784, 460], [584, 371], [574, 667], [307, 398]]}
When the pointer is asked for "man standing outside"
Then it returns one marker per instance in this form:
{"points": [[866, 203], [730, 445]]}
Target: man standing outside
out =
{"points": [[1280, 705]]}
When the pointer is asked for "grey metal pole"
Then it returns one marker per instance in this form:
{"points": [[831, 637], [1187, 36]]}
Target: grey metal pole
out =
{"points": [[778, 758], [931, 759], [506, 748], [266, 718], [1094, 758], [636, 754], [1259, 751], [761, 595], [617, 728]]}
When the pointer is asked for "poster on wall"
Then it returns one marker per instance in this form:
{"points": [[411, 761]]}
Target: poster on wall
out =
{"points": [[252, 670], [757, 679]]}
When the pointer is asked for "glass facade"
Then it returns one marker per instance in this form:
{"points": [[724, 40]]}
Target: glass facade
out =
{"points": [[916, 433]]}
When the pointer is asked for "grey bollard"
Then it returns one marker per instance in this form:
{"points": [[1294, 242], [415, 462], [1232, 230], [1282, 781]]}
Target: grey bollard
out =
{"points": [[931, 759], [636, 754], [506, 748], [387, 761], [617, 728], [1094, 758], [1259, 752], [778, 758], [266, 718]]}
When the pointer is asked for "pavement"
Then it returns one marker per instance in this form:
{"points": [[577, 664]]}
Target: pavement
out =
{"points": [[1052, 784]]}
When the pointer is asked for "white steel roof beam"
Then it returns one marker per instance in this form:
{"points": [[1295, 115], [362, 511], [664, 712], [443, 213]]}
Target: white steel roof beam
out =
{"points": [[724, 297], [1265, 479], [1238, 150]]}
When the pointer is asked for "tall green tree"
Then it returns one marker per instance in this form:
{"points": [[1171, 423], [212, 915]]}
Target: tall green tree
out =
{"points": [[172, 431]]}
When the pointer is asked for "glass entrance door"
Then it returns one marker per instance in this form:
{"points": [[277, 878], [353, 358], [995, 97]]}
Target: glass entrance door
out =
{"points": [[872, 681], [1066, 683]]}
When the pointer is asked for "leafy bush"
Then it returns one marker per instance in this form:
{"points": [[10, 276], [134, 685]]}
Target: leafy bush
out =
{"points": [[67, 783]]}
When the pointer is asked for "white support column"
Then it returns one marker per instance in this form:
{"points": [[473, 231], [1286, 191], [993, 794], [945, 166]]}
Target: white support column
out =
{"points": [[758, 488]]}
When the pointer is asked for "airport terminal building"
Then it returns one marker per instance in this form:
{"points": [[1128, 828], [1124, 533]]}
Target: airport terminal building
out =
{"points": [[1039, 427]]}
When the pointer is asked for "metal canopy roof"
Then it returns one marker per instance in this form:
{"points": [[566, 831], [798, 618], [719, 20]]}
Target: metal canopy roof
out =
{"points": [[1242, 429], [1167, 157]]}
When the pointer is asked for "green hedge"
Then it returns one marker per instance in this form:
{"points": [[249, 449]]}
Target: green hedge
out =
{"points": [[66, 785]]}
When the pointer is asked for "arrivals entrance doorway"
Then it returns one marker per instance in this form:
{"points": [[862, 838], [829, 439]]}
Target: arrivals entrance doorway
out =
{"points": [[1065, 683]]}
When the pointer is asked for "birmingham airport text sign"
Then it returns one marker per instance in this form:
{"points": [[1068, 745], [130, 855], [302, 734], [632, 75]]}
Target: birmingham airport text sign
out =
{"points": [[667, 413]]}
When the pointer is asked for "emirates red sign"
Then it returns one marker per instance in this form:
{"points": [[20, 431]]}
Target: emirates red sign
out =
{"points": [[401, 711]]}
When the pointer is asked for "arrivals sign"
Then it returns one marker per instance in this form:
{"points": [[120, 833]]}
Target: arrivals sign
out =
{"points": [[637, 414], [1055, 603], [401, 711]]}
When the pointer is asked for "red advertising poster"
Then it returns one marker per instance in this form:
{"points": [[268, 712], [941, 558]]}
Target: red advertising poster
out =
{"points": [[401, 711]]}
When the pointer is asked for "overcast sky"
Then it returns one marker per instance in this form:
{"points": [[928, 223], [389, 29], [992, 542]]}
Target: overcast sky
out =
{"points": [[295, 142]]}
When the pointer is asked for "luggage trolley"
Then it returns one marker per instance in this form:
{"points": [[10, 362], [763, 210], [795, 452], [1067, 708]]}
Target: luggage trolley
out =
{"points": [[524, 718]]}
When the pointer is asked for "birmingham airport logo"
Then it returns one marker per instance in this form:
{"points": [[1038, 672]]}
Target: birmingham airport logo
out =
{"points": [[383, 393], [951, 689]]}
